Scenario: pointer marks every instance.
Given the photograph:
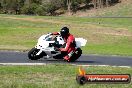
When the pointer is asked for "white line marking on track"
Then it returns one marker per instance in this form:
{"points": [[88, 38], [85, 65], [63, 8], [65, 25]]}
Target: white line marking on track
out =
{"points": [[104, 66], [50, 63]]}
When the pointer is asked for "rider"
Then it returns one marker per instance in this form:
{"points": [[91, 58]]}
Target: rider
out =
{"points": [[69, 41]]}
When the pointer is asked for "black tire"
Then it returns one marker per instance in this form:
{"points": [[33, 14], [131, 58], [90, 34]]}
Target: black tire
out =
{"points": [[76, 55], [32, 54]]}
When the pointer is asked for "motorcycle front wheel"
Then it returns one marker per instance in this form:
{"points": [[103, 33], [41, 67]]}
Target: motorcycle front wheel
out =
{"points": [[32, 54]]}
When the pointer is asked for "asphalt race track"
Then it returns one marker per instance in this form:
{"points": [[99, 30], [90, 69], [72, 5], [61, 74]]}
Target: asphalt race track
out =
{"points": [[21, 57]]}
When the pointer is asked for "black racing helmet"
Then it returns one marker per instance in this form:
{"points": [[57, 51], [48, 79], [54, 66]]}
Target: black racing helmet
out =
{"points": [[64, 31]]}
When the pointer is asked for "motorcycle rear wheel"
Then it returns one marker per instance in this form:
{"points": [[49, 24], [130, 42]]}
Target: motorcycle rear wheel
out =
{"points": [[76, 55]]}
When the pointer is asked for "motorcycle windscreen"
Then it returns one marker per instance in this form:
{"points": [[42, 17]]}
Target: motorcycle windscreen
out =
{"points": [[80, 42]]}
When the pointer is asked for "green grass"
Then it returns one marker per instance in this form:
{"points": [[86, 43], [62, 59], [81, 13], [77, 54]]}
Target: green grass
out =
{"points": [[55, 76], [109, 36], [123, 9]]}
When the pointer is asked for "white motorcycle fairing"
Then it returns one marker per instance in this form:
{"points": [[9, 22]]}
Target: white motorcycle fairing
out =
{"points": [[45, 40]]}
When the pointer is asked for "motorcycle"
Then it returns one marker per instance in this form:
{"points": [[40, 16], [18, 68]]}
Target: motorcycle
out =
{"points": [[47, 46]]}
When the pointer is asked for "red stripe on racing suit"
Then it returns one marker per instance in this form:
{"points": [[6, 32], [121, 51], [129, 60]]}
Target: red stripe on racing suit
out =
{"points": [[70, 45]]}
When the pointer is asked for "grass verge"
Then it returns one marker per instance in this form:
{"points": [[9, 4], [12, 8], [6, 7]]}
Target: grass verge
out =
{"points": [[55, 76]]}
